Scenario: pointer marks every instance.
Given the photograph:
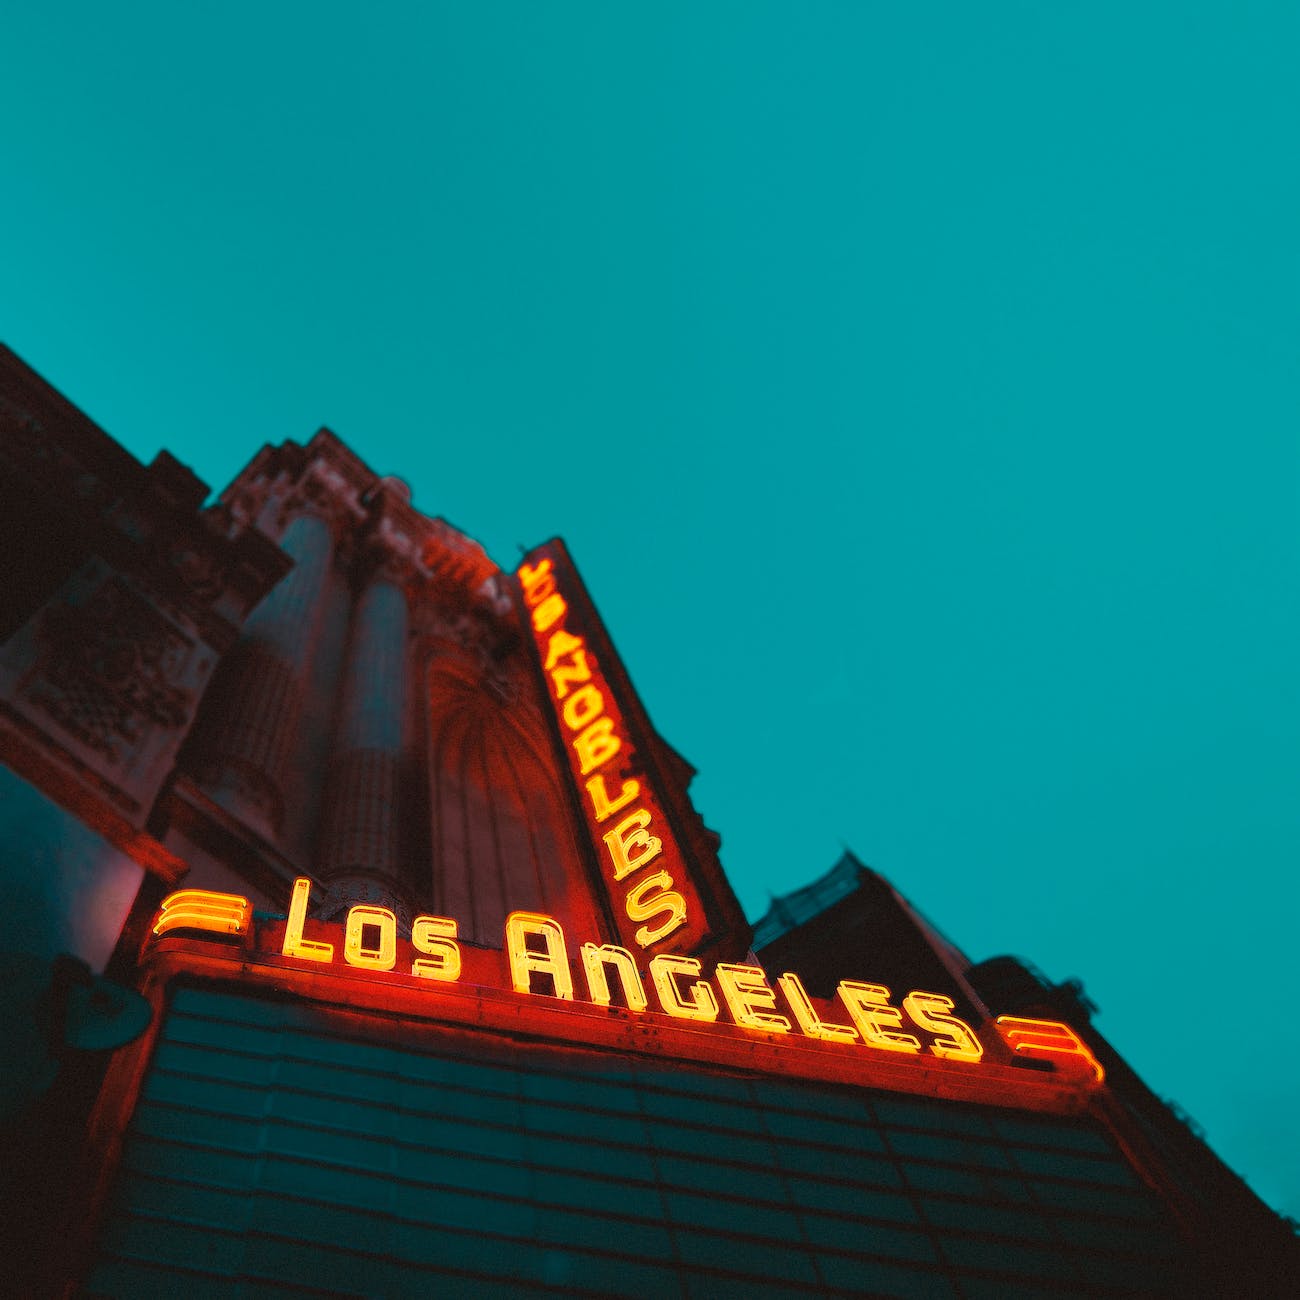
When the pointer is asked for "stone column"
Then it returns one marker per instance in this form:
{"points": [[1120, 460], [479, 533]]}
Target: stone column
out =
{"points": [[359, 853], [253, 710]]}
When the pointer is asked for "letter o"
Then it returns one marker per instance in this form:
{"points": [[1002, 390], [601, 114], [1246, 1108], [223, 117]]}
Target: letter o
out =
{"points": [[381, 956]]}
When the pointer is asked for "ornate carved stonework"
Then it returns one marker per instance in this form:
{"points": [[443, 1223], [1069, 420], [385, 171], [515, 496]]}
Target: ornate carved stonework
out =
{"points": [[481, 637], [108, 670], [325, 492], [347, 891], [202, 574]]}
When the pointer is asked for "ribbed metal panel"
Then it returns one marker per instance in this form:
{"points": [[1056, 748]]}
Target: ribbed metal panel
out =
{"points": [[275, 1153]]}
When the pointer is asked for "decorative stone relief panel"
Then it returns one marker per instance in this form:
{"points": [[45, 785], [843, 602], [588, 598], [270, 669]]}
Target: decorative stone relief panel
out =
{"points": [[109, 670], [111, 679]]}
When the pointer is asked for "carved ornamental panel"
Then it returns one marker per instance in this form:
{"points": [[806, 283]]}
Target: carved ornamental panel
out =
{"points": [[111, 679]]}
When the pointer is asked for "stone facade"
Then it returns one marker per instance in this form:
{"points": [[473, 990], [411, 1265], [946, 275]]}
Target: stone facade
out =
{"points": [[376, 726]]}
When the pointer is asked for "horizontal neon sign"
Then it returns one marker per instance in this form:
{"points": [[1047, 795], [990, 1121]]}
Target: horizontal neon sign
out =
{"points": [[541, 964]]}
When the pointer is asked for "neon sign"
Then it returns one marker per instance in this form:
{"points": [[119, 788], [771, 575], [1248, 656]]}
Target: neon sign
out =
{"points": [[735, 1014], [1049, 1040], [202, 909], [540, 964], [642, 863]]}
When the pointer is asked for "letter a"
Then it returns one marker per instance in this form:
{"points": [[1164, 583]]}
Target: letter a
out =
{"points": [[553, 961]]}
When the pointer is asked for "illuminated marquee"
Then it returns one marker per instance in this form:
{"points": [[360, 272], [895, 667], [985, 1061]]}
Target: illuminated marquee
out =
{"points": [[540, 964], [726, 1015], [642, 863]]}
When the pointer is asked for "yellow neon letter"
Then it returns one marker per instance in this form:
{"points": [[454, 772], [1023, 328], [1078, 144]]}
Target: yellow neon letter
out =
{"points": [[565, 675], [594, 961], [549, 612], [204, 909], [561, 643], [602, 805], [702, 1005], [809, 1021], [553, 962], [582, 706], [1051, 1041], [596, 746], [379, 956], [537, 582], [868, 1004], [748, 997], [646, 899], [294, 944], [957, 1041], [630, 845], [434, 936]]}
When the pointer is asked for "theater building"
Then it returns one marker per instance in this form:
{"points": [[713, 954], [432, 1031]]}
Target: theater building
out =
{"points": [[363, 940]]}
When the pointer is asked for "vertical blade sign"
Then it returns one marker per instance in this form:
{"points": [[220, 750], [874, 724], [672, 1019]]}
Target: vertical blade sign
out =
{"points": [[641, 861]]}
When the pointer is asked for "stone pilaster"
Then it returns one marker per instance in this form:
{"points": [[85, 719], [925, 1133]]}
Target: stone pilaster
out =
{"points": [[359, 853], [253, 712]]}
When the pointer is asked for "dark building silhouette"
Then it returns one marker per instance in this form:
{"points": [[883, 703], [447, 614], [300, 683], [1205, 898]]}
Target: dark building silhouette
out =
{"points": [[365, 941]]}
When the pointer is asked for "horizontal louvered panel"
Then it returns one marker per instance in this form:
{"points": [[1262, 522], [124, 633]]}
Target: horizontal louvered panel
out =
{"points": [[271, 1147]]}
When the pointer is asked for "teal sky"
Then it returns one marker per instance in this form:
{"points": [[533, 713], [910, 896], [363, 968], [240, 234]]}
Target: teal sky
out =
{"points": [[916, 388]]}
